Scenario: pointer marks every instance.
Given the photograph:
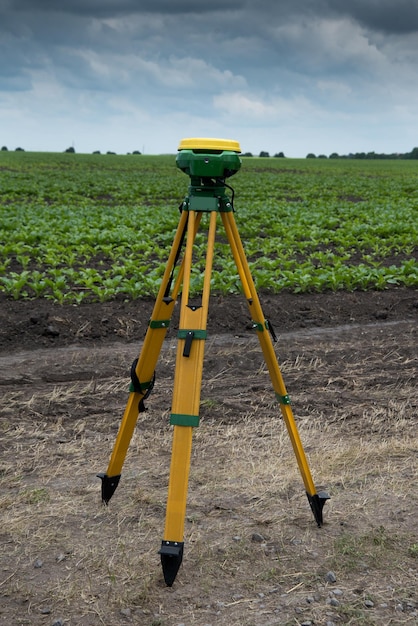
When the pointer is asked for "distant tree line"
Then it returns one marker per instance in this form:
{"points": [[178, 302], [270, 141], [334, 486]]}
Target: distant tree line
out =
{"points": [[367, 155], [98, 151], [70, 150], [352, 155], [5, 149], [263, 154]]}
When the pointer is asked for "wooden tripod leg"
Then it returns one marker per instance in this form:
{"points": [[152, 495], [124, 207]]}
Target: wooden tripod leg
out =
{"points": [[261, 325], [185, 405], [143, 369]]}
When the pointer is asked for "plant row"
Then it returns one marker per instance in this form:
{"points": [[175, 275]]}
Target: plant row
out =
{"points": [[75, 227]]}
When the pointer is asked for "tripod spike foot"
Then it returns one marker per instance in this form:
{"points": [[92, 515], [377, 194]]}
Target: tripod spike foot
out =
{"points": [[109, 484], [171, 557], [317, 502]]}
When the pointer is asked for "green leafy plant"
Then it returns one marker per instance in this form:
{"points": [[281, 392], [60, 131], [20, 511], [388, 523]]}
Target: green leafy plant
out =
{"points": [[74, 228]]}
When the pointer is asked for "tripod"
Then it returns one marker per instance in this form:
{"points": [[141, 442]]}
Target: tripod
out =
{"points": [[208, 162]]}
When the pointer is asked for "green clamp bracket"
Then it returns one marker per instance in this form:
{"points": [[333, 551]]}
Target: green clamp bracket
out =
{"points": [[197, 334], [159, 323], [283, 399], [259, 326], [203, 203], [202, 200], [142, 387], [226, 205], [179, 419], [189, 335], [267, 325]]}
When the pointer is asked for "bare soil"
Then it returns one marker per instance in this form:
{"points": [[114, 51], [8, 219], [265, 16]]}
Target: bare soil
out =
{"points": [[25, 325], [253, 553]]}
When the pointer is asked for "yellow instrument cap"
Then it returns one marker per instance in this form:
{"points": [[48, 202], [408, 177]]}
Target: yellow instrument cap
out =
{"points": [[199, 143]]}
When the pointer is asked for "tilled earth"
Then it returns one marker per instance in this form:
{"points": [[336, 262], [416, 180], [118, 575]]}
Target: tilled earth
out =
{"points": [[25, 325], [253, 554]]}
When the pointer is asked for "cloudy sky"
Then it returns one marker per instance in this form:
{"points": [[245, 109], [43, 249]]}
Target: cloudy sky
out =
{"points": [[296, 76]]}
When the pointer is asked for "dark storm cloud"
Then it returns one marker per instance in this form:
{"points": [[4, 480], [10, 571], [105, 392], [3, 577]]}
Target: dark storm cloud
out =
{"points": [[113, 8], [388, 16], [381, 15], [253, 63], [262, 37]]}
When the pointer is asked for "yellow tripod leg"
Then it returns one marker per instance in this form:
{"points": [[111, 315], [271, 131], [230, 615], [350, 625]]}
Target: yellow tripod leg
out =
{"points": [[142, 373], [185, 405], [316, 500]]}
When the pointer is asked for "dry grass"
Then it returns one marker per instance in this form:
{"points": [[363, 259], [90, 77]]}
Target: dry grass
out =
{"points": [[65, 555]]}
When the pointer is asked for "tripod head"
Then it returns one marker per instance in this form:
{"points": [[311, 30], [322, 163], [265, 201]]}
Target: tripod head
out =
{"points": [[209, 158]]}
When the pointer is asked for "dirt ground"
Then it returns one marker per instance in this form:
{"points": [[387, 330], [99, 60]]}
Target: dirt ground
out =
{"points": [[253, 553], [25, 325]]}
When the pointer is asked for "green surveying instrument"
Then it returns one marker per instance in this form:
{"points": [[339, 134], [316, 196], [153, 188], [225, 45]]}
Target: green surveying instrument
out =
{"points": [[208, 163]]}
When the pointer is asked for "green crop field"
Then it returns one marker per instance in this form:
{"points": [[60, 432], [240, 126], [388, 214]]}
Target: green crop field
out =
{"points": [[95, 227]]}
